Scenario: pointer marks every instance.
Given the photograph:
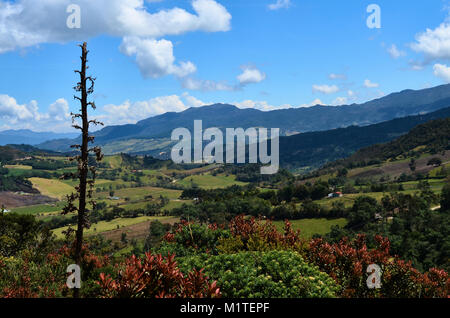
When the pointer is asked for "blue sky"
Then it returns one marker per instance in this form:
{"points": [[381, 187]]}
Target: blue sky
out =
{"points": [[154, 56]]}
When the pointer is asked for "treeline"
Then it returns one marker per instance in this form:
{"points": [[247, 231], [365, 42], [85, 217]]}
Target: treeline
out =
{"points": [[252, 173], [15, 183], [221, 205], [48, 164]]}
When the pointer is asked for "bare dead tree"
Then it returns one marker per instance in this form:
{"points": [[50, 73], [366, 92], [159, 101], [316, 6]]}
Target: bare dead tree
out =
{"points": [[85, 173]]}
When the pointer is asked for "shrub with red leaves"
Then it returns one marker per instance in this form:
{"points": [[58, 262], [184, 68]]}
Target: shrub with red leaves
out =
{"points": [[156, 276], [347, 262]]}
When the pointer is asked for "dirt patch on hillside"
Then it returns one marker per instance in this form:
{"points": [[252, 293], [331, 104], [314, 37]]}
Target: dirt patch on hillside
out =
{"points": [[395, 169], [16, 200], [135, 231]]}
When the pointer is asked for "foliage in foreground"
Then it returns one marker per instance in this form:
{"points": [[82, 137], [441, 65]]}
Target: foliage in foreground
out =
{"points": [[273, 274], [249, 259]]}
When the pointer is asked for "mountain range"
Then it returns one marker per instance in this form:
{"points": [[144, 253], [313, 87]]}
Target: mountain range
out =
{"points": [[314, 149], [311, 136], [25, 136]]}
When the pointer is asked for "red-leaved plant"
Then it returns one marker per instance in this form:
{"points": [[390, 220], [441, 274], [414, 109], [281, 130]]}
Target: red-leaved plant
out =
{"points": [[156, 276], [347, 262]]}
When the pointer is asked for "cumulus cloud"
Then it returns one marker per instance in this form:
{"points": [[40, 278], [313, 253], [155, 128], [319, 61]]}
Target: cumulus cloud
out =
{"points": [[434, 44], [280, 4], [155, 57], [28, 23], [27, 116], [59, 110], [334, 76], [369, 84], [250, 75], [325, 89], [442, 71], [394, 52]]}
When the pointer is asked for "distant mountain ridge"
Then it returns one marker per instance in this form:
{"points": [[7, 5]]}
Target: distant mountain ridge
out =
{"points": [[314, 149], [316, 118], [25, 136]]}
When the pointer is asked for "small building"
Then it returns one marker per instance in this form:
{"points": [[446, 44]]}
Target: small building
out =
{"points": [[335, 195]]}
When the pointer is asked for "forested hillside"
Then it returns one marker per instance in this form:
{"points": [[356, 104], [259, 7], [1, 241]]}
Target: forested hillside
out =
{"points": [[316, 148]]}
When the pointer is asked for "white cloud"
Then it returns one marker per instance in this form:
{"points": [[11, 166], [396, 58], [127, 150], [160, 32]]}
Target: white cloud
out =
{"points": [[191, 101], [205, 85], [59, 110], [28, 23], [369, 84], [280, 4], [394, 52], [250, 75], [335, 76], [11, 110], [442, 71], [155, 57], [325, 89], [27, 116], [434, 44]]}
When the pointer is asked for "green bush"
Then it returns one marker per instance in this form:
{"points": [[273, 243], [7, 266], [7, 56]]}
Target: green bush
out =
{"points": [[276, 274]]}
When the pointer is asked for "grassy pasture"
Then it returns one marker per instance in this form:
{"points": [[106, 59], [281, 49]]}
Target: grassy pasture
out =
{"points": [[208, 181], [309, 227], [20, 167], [39, 209], [52, 188]]}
